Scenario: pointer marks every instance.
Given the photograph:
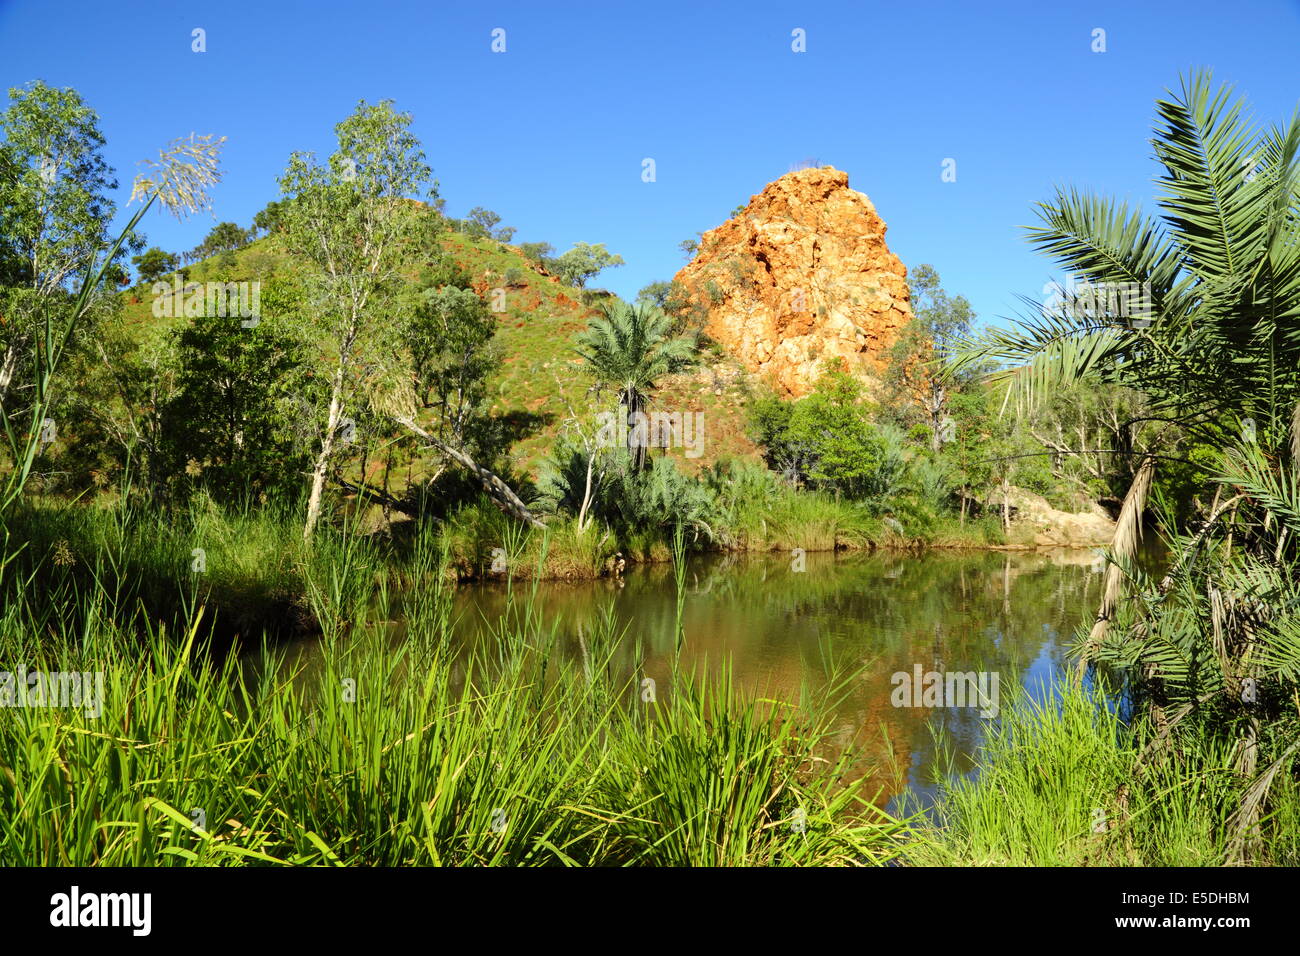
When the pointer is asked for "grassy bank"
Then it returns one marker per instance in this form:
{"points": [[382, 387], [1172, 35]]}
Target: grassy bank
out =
{"points": [[249, 565], [410, 753], [1065, 784], [806, 521], [415, 751]]}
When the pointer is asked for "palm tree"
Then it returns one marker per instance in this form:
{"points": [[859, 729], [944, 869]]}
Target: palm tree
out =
{"points": [[1215, 349], [629, 348]]}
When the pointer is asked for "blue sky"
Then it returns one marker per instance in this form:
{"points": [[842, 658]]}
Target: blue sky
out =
{"points": [[551, 134]]}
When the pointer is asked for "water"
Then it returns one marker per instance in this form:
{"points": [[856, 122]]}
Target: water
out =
{"points": [[1010, 614]]}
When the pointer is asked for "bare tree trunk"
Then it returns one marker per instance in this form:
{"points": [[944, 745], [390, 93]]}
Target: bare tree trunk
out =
{"points": [[636, 439], [935, 410], [321, 468], [586, 494], [9, 367]]}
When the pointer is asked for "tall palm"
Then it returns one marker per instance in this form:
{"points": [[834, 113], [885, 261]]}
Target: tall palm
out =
{"points": [[629, 348], [1218, 354]]}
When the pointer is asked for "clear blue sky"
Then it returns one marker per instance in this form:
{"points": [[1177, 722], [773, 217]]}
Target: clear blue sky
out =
{"points": [[551, 134]]}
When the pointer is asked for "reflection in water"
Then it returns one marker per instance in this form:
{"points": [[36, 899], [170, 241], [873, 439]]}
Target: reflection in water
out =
{"points": [[1010, 614]]}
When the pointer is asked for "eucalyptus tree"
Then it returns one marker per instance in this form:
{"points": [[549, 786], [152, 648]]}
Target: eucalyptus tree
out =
{"points": [[629, 348], [349, 218], [583, 262], [153, 264], [355, 221], [446, 357], [939, 322], [1206, 327]]}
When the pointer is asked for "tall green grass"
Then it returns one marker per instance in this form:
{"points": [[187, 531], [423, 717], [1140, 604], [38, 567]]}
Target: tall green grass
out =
{"points": [[395, 745], [406, 752], [1059, 783], [473, 534], [243, 564]]}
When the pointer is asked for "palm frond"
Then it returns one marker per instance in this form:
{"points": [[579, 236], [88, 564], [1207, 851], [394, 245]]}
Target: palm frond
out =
{"points": [[1042, 352], [1205, 146]]}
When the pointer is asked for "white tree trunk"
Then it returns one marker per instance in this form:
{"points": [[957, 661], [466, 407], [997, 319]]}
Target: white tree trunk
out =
{"points": [[323, 459], [586, 494]]}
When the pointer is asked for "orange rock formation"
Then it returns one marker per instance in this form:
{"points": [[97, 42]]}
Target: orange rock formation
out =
{"points": [[800, 276]]}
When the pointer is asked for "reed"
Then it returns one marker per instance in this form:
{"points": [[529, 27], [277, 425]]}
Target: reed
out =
{"points": [[404, 750], [1060, 782]]}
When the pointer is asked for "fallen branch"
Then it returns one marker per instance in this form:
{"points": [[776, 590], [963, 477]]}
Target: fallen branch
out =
{"points": [[497, 490]]}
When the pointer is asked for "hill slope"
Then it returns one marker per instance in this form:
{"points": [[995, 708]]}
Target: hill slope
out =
{"points": [[541, 380]]}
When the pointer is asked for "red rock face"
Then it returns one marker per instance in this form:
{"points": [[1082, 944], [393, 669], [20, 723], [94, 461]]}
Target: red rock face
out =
{"points": [[800, 276]]}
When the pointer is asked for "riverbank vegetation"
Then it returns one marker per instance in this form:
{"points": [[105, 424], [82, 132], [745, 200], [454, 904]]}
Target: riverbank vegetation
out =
{"points": [[406, 752], [1208, 647], [445, 372], [329, 451]]}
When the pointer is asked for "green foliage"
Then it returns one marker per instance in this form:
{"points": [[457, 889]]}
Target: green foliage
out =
{"points": [[557, 765], [54, 195], [656, 293], [944, 320], [225, 426], [484, 224], [562, 483], [1182, 482], [445, 271], [914, 393], [629, 348], [153, 264], [539, 252], [351, 221], [51, 318], [827, 439], [1213, 350], [224, 237], [657, 497], [480, 222], [448, 336], [769, 427], [269, 218], [1218, 264], [583, 262], [1061, 784]]}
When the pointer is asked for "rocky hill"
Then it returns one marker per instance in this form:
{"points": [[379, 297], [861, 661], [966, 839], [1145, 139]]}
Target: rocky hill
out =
{"points": [[541, 382], [802, 274]]}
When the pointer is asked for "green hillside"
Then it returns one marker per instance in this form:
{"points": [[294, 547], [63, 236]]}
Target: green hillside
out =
{"points": [[540, 382]]}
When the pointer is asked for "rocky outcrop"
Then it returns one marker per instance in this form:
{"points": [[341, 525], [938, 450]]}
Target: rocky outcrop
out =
{"points": [[1052, 528], [801, 275]]}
